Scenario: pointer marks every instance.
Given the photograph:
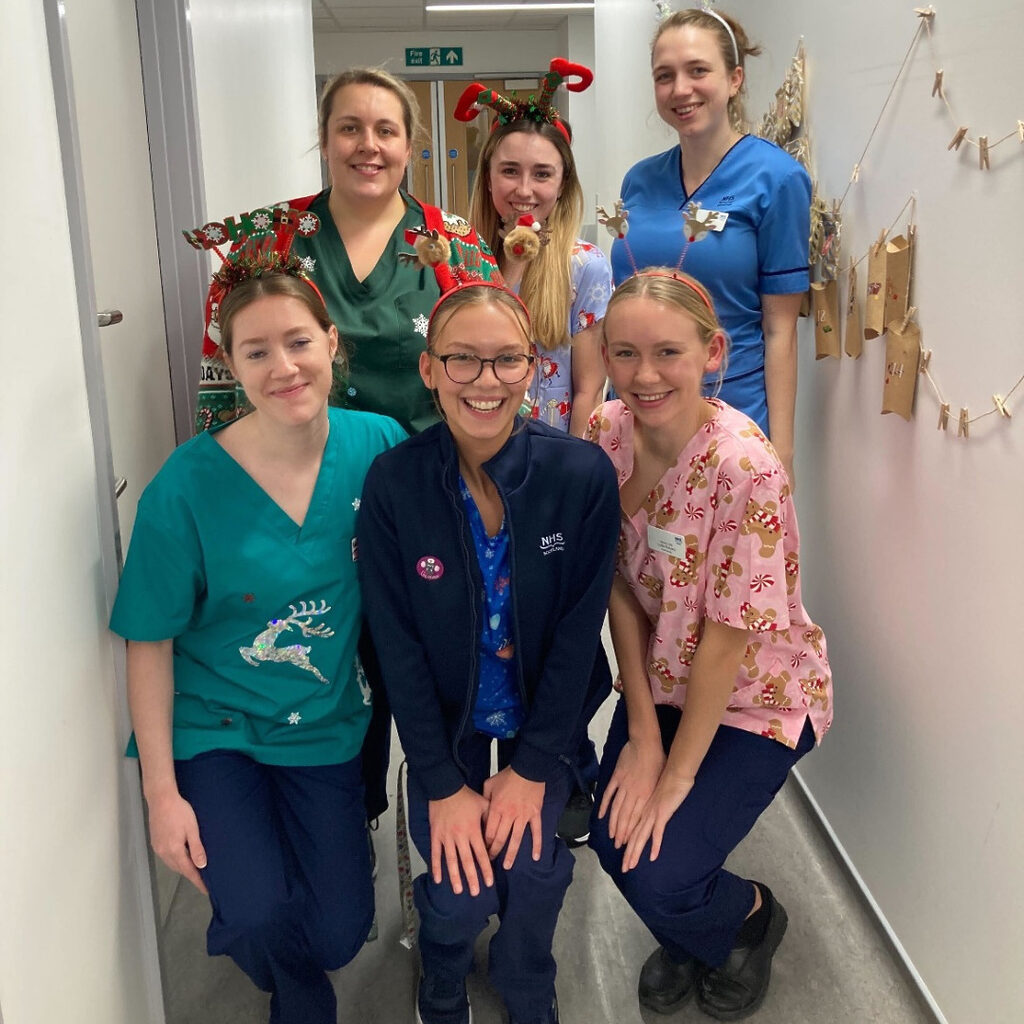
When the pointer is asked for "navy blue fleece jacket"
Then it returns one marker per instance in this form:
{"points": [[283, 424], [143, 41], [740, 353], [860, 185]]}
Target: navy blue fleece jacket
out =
{"points": [[422, 593]]}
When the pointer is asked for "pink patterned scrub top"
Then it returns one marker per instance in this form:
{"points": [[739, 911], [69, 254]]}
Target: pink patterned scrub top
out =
{"points": [[717, 539]]}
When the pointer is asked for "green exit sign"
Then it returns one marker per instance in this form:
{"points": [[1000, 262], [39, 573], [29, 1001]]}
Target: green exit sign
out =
{"points": [[433, 57]]}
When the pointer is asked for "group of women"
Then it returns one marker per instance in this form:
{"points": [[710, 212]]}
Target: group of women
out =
{"points": [[406, 455]]}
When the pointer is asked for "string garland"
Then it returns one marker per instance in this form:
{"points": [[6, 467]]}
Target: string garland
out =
{"points": [[782, 124], [981, 143]]}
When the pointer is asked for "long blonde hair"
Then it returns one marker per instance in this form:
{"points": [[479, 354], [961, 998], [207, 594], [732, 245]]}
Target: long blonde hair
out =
{"points": [[546, 289]]}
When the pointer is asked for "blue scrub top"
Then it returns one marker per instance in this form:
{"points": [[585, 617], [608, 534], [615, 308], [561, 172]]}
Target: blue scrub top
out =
{"points": [[762, 249]]}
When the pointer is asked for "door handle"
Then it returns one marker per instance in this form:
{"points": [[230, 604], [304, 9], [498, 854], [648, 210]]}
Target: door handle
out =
{"points": [[107, 317], [119, 486]]}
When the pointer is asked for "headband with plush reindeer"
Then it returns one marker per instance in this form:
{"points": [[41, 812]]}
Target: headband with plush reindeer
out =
{"points": [[535, 107]]}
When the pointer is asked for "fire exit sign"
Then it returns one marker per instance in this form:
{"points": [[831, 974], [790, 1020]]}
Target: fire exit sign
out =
{"points": [[433, 57]]}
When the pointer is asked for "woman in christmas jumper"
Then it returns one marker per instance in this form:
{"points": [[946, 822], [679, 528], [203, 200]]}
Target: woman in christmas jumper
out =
{"points": [[240, 604], [725, 679], [358, 248], [526, 181], [756, 199], [486, 548]]}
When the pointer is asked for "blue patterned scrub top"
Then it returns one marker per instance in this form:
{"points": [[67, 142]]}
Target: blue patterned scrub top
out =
{"points": [[498, 710]]}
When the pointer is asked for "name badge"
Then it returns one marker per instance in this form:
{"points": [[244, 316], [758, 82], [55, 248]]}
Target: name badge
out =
{"points": [[665, 542], [713, 220]]}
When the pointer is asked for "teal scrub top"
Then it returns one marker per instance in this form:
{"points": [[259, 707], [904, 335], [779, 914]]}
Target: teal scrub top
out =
{"points": [[264, 614], [382, 319]]}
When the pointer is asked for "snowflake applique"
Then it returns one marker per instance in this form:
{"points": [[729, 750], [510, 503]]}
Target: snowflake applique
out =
{"points": [[294, 718], [308, 224], [356, 502], [215, 234], [420, 324], [261, 221], [308, 264]]}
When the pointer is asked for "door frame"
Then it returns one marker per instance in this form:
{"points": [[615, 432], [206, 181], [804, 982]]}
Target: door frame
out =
{"points": [[137, 863]]}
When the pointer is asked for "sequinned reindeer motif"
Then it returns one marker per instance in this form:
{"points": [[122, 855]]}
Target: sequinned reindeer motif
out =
{"points": [[264, 649]]}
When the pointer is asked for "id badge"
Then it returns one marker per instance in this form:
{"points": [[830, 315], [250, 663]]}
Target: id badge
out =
{"points": [[713, 220], [665, 542]]}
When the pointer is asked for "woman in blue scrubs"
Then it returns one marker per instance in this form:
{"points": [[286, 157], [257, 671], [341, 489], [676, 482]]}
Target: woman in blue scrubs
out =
{"points": [[754, 198], [241, 607]]}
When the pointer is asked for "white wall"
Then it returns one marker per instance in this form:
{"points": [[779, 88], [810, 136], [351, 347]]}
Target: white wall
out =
{"points": [[483, 52], [911, 538], [70, 935], [256, 94]]}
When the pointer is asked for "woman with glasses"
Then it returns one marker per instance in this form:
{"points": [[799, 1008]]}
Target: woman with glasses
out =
{"points": [[486, 547]]}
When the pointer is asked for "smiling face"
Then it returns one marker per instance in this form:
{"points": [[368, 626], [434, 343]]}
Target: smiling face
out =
{"points": [[692, 85], [525, 176], [656, 360], [366, 146], [479, 414], [282, 358]]}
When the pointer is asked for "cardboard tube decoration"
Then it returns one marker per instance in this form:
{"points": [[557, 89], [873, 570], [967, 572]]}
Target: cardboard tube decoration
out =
{"points": [[897, 279], [825, 298], [902, 363], [874, 304]]}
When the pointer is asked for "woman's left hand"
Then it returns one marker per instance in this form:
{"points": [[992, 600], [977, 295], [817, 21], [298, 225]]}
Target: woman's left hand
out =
{"points": [[515, 802], [666, 799]]}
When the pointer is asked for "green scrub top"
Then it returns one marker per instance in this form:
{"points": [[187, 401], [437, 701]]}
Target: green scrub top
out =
{"points": [[265, 615], [382, 320]]}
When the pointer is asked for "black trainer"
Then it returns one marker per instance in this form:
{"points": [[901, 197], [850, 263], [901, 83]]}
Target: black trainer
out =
{"points": [[737, 988], [574, 824], [442, 1001], [665, 985]]}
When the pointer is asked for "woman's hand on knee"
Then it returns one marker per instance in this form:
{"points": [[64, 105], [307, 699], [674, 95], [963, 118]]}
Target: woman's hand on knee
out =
{"points": [[666, 799], [636, 775], [515, 802], [457, 839], [174, 834]]}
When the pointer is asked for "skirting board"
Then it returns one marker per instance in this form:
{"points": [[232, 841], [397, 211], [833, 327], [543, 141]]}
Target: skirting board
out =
{"points": [[853, 874]]}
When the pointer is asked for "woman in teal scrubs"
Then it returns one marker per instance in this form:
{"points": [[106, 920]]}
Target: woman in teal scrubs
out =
{"points": [[241, 607]]}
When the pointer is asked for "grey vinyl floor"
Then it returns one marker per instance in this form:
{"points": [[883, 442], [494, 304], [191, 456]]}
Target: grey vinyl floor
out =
{"points": [[833, 965]]}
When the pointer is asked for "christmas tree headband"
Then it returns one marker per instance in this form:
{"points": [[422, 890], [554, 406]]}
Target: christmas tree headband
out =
{"points": [[262, 243], [536, 107]]}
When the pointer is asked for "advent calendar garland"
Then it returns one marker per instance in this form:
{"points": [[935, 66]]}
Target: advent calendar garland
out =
{"points": [[890, 259]]}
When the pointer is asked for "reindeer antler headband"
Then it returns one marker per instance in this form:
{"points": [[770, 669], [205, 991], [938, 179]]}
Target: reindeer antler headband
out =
{"points": [[536, 107], [694, 229]]}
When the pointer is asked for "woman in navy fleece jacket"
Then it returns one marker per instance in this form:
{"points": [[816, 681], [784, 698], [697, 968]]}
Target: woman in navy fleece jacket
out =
{"points": [[486, 553]]}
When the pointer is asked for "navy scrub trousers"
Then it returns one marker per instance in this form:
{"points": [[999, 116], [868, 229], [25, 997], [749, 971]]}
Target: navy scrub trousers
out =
{"points": [[691, 904], [527, 898], [288, 870]]}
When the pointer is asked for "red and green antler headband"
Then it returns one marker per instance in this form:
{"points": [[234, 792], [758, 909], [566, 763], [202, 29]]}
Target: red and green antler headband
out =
{"points": [[536, 107]]}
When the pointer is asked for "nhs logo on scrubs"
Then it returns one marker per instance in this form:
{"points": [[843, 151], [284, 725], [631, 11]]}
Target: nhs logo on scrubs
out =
{"points": [[551, 543]]}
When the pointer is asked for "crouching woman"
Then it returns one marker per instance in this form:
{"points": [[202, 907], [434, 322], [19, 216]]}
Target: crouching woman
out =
{"points": [[486, 551]]}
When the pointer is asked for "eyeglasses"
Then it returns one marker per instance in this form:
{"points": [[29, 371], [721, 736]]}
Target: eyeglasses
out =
{"points": [[463, 368]]}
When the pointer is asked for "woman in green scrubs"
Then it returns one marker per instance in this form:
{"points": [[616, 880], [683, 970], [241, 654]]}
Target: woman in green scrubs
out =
{"points": [[378, 293], [241, 607]]}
